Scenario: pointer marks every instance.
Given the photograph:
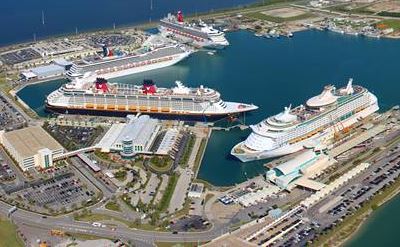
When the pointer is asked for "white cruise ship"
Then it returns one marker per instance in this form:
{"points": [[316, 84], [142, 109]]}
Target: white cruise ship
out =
{"points": [[103, 98], [293, 129], [110, 65], [201, 34]]}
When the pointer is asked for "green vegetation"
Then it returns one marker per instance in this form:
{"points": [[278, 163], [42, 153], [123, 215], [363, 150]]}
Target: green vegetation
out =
{"points": [[103, 156], [390, 14], [113, 205], [390, 23], [120, 175], [199, 155], [90, 217], [261, 16], [161, 164], [188, 151], [8, 235], [169, 190]]}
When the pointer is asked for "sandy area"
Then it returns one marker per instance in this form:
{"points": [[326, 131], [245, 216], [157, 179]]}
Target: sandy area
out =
{"points": [[284, 12], [392, 6]]}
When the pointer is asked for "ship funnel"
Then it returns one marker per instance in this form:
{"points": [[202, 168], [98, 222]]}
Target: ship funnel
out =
{"points": [[179, 16], [106, 51]]}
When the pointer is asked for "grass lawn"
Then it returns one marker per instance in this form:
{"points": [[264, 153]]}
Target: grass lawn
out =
{"points": [[8, 235], [169, 190], [112, 205], [395, 24], [100, 217], [161, 164]]}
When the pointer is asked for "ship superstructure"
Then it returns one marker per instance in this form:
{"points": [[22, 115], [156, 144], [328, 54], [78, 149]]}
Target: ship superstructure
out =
{"points": [[305, 125], [116, 64], [200, 33], [82, 96]]}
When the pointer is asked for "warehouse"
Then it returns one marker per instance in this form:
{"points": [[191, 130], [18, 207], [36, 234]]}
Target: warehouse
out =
{"points": [[31, 147]]}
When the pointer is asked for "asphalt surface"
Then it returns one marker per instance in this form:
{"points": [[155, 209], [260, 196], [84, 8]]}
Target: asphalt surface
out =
{"points": [[64, 223]]}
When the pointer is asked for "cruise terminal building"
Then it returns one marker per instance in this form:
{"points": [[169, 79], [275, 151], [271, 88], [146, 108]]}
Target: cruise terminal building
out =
{"points": [[31, 147]]}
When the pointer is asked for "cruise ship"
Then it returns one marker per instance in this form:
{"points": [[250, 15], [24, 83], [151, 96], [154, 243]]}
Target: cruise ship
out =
{"points": [[103, 98], [111, 65], [307, 125], [201, 34]]}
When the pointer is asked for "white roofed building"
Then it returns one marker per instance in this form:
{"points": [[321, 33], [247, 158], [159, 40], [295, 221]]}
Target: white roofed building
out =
{"points": [[139, 133]]}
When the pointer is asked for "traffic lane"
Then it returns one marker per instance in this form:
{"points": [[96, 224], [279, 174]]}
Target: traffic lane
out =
{"points": [[30, 218]]}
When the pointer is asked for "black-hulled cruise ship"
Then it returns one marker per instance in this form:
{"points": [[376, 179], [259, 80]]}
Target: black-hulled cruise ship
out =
{"points": [[101, 97]]}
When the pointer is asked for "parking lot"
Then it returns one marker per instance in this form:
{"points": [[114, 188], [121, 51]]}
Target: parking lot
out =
{"points": [[59, 192], [331, 211], [10, 118], [74, 137], [19, 56], [6, 173], [191, 223]]}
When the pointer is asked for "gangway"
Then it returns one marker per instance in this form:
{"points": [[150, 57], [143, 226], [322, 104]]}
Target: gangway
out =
{"points": [[74, 153]]}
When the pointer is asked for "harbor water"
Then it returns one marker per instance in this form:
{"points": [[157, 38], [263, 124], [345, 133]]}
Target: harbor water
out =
{"points": [[20, 20], [381, 229], [271, 73]]}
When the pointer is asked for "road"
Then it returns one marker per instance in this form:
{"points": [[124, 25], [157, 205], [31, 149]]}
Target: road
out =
{"points": [[66, 224]]}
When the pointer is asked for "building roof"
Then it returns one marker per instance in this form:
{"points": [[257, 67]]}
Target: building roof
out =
{"points": [[47, 69], [89, 162], [62, 62], [28, 74], [296, 163], [168, 141], [30, 140], [308, 183], [139, 130]]}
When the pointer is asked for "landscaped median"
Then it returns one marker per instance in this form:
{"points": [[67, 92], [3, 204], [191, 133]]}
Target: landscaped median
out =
{"points": [[169, 191]]}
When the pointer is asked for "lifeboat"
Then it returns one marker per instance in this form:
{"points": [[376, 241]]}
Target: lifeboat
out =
{"points": [[90, 106], [121, 107]]}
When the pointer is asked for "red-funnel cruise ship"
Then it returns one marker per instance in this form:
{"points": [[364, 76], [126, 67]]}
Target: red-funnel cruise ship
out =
{"points": [[200, 33], [102, 97]]}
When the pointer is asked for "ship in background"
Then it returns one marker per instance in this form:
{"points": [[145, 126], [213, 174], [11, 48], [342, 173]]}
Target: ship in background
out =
{"points": [[103, 98], [310, 125], [157, 52], [200, 33]]}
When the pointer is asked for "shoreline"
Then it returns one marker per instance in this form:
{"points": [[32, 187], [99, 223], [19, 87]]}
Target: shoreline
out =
{"points": [[368, 216]]}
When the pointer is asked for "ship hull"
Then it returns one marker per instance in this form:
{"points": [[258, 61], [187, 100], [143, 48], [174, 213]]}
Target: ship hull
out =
{"points": [[176, 59], [160, 115], [204, 42], [292, 148]]}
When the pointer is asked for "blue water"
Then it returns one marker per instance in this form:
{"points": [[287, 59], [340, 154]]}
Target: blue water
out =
{"points": [[382, 229], [272, 74], [20, 19]]}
